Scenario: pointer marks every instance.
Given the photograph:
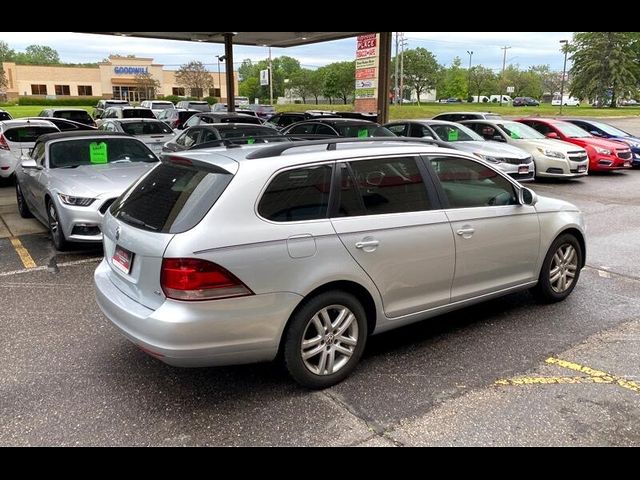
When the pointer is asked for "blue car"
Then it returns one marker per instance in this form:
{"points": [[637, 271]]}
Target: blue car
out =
{"points": [[604, 130]]}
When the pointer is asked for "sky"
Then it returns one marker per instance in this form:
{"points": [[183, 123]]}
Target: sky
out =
{"points": [[527, 48]]}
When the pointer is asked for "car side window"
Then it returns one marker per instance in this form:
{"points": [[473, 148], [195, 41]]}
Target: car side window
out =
{"points": [[298, 194], [382, 185], [191, 137], [467, 183], [421, 131], [540, 127], [38, 154], [307, 128], [194, 120], [325, 130], [400, 129]]}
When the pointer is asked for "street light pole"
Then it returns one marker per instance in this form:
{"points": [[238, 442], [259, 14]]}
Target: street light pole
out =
{"points": [[504, 62], [564, 69], [470, 52], [395, 88], [221, 58]]}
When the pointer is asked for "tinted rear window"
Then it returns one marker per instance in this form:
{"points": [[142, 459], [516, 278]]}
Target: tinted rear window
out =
{"points": [[161, 106], [137, 114], [27, 134], [5, 116], [203, 107], [184, 116], [145, 128], [76, 116], [170, 198], [252, 120], [248, 132]]}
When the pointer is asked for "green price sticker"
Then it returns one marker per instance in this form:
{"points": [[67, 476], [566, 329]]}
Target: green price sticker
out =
{"points": [[514, 135], [251, 141], [363, 133], [453, 135], [98, 152]]}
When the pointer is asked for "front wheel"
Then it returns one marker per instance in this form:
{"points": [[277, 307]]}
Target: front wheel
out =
{"points": [[560, 269], [55, 229], [325, 339], [23, 208]]}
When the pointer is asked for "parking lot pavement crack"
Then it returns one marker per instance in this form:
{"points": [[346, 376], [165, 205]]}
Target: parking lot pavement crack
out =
{"points": [[375, 427]]}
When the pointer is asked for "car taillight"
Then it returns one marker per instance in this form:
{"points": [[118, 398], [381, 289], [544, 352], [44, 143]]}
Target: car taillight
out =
{"points": [[195, 279], [3, 143]]}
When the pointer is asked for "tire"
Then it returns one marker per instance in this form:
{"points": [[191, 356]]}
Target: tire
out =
{"points": [[309, 323], [57, 235], [565, 264], [23, 208]]}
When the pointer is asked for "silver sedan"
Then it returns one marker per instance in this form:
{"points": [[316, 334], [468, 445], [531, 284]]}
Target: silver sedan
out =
{"points": [[72, 178], [154, 133]]}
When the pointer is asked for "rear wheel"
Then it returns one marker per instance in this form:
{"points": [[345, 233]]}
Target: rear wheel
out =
{"points": [[560, 269], [23, 208], [55, 229], [325, 339]]}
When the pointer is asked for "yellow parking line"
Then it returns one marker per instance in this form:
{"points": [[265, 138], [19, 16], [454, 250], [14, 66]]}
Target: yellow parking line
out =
{"points": [[595, 374], [23, 253], [545, 380]]}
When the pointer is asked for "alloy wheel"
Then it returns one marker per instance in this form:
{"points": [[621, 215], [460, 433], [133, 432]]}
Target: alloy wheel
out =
{"points": [[563, 268]]}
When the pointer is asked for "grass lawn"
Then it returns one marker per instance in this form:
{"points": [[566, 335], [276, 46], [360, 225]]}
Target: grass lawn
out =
{"points": [[18, 111], [429, 110]]}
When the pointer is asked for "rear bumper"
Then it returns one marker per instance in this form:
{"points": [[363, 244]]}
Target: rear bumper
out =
{"points": [[199, 334]]}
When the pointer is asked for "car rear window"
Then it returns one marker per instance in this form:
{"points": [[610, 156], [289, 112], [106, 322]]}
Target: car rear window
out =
{"points": [[28, 134], [135, 113], [372, 130], [5, 116], [98, 150], [184, 116], [76, 116], [161, 106], [145, 128], [203, 107], [171, 198], [247, 119]]}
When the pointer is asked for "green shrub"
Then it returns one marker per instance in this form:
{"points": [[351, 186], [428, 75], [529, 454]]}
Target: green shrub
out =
{"points": [[211, 100], [82, 101]]}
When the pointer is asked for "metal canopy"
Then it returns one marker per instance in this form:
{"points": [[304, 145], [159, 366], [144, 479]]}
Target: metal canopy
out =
{"points": [[261, 39]]}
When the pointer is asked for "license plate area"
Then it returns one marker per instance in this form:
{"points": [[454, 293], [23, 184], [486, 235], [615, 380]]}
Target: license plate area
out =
{"points": [[582, 168], [523, 169], [122, 259]]}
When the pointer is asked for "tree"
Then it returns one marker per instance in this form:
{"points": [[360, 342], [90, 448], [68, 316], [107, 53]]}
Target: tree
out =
{"points": [[420, 70], [301, 83], [3, 78], [604, 66], [38, 55], [250, 88], [340, 80], [453, 81], [316, 83], [482, 80], [550, 81], [146, 83], [6, 54], [195, 77]]}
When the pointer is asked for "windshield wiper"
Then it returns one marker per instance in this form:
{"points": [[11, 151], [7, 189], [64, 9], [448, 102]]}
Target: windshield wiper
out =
{"points": [[135, 221]]}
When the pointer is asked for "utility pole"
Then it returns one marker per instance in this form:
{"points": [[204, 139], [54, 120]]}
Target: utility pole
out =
{"points": [[395, 87], [565, 46], [270, 79], [403, 44], [504, 62], [470, 52]]}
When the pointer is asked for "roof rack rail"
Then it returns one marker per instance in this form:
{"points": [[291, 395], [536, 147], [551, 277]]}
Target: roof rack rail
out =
{"points": [[237, 142], [277, 150]]}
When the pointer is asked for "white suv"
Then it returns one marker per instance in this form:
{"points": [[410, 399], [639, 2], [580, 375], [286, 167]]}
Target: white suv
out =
{"points": [[157, 106], [17, 138]]}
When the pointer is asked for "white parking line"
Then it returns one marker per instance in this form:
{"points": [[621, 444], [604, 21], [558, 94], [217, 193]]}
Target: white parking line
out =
{"points": [[45, 267]]}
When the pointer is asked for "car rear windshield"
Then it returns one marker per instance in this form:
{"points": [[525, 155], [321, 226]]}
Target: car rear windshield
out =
{"points": [[171, 198], [76, 116], [98, 150], [28, 134], [184, 116], [246, 119], [249, 131], [5, 116], [203, 107], [145, 128], [372, 130], [135, 113], [161, 105]]}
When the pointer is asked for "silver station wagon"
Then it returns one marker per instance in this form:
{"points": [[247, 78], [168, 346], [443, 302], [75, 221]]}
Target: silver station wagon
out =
{"points": [[302, 250]]}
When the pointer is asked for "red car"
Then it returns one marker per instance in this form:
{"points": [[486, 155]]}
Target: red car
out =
{"points": [[603, 154]]}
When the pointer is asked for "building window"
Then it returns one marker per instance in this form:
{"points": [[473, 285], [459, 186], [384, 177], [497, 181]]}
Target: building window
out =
{"points": [[38, 89], [178, 91], [196, 92], [63, 90], [214, 92], [86, 90]]}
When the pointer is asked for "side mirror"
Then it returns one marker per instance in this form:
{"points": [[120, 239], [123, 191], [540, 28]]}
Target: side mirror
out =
{"points": [[28, 163], [552, 135], [498, 138], [526, 196]]}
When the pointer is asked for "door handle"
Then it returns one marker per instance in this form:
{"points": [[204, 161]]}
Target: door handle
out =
{"points": [[466, 231], [367, 243]]}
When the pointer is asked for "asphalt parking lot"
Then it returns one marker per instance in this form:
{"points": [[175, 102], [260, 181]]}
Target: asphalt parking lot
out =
{"points": [[507, 372]]}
